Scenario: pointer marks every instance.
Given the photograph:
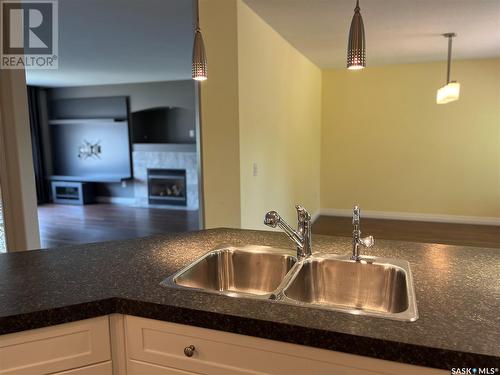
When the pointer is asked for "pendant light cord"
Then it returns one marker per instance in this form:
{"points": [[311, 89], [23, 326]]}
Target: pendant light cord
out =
{"points": [[450, 41], [197, 13], [450, 37]]}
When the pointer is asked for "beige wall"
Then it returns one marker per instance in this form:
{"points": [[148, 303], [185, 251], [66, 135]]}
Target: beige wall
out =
{"points": [[279, 121], [219, 115], [383, 141], [261, 103], [387, 145]]}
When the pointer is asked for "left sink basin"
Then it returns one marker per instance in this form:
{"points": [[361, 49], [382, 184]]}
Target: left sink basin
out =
{"points": [[250, 271]]}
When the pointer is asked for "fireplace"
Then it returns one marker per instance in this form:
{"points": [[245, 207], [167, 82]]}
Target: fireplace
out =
{"points": [[167, 187]]}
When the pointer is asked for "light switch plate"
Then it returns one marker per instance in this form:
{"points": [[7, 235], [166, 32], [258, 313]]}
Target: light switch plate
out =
{"points": [[255, 169]]}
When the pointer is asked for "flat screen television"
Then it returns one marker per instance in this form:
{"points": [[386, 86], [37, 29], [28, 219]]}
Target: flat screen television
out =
{"points": [[87, 148]]}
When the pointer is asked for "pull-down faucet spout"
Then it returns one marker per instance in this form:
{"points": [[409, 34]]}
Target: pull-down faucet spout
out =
{"points": [[301, 236]]}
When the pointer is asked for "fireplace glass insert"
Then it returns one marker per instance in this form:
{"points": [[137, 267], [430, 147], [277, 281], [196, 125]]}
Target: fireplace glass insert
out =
{"points": [[167, 187]]}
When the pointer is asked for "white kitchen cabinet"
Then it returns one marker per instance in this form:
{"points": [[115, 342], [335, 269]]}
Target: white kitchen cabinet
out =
{"points": [[157, 348], [55, 349], [128, 345]]}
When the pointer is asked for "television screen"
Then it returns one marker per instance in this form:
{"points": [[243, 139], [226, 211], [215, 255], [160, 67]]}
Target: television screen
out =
{"points": [[92, 151], [90, 139]]}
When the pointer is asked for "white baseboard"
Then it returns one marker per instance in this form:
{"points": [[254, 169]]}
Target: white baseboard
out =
{"points": [[116, 200], [437, 218], [168, 207], [315, 215]]}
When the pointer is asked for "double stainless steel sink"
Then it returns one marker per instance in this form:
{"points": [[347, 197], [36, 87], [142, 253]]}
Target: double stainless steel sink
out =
{"points": [[371, 286]]}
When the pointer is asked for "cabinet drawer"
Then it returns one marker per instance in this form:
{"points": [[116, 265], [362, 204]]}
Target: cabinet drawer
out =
{"points": [[221, 353], [55, 349], [99, 369], [143, 368]]}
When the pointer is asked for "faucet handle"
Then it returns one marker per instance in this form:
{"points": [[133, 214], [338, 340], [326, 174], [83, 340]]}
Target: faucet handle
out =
{"points": [[302, 214], [367, 241], [356, 215], [272, 219]]}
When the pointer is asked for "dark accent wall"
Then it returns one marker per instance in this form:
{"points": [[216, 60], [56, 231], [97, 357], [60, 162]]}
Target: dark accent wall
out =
{"points": [[115, 107], [115, 190], [162, 125], [142, 95]]}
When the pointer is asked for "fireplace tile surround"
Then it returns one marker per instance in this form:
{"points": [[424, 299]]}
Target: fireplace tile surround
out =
{"points": [[157, 157]]}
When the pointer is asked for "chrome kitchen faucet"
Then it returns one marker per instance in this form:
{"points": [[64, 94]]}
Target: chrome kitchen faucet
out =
{"points": [[357, 240], [301, 236]]}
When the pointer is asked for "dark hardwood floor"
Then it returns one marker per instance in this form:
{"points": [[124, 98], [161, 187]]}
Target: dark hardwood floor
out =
{"points": [[66, 225], [414, 231]]}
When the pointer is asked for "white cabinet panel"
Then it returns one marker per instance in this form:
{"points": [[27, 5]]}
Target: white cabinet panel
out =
{"points": [[56, 348], [105, 368], [143, 368]]}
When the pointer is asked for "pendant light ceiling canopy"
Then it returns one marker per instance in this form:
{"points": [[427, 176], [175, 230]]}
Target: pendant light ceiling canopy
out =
{"points": [[356, 53], [451, 91], [199, 70]]}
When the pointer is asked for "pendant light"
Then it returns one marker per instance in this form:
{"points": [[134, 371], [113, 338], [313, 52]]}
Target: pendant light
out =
{"points": [[451, 91], [356, 54], [199, 64]]}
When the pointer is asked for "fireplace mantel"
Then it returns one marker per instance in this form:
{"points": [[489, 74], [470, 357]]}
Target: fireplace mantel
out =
{"points": [[165, 147]]}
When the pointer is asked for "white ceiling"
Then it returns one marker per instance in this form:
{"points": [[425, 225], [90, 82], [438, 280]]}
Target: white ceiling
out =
{"points": [[118, 41], [125, 41], [397, 31]]}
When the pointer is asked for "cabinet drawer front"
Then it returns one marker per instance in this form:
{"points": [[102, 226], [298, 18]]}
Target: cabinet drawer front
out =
{"points": [[105, 368], [143, 368], [221, 353], [56, 348]]}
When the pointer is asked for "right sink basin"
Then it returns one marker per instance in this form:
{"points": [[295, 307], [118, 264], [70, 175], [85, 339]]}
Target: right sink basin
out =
{"points": [[374, 286]]}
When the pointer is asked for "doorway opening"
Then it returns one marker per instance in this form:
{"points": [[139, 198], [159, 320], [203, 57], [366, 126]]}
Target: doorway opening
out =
{"points": [[111, 119]]}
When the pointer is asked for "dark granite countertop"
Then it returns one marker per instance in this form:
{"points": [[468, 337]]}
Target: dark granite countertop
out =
{"points": [[457, 290]]}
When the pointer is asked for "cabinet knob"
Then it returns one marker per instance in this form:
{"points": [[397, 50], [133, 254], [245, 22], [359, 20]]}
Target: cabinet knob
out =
{"points": [[189, 350]]}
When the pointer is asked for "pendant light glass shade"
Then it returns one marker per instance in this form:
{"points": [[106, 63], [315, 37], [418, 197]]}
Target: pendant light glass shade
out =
{"points": [[356, 53], [451, 91], [199, 70], [448, 93]]}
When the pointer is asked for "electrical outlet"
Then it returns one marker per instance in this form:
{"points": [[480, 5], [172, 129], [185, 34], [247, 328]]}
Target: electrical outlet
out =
{"points": [[124, 184], [191, 133]]}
